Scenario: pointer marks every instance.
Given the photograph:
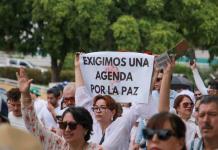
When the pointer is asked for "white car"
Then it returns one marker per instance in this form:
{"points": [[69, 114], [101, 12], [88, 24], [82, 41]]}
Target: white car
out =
{"points": [[24, 63]]}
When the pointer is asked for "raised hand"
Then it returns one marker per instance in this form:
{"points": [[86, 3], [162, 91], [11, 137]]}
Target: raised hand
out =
{"points": [[170, 66], [76, 60], [193, 65], [23, 81]]}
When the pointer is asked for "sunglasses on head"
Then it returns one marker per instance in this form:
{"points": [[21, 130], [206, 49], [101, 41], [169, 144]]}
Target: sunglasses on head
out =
{"points": [[186, 104], [162, 134], [70, 125]]}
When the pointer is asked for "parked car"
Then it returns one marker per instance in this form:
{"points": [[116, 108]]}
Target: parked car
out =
{"points": [[13, 62]]}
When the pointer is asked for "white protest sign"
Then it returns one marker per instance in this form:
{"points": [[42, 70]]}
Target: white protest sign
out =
{"points": [[126, 76]]}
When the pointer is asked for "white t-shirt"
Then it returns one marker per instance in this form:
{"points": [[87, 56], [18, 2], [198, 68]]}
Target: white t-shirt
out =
{"points": [[117, 134], [38, 105], [47, 119], [17, 122]]}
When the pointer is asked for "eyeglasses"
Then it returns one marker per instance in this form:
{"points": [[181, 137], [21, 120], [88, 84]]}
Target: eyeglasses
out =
{"points": [[71, 125], [162, 134], [186, 104], [99, 109], [69, 99]]}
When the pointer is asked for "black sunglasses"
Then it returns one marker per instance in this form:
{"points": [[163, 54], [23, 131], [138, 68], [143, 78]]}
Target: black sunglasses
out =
{"points": [[162, 134], [71, 125]]}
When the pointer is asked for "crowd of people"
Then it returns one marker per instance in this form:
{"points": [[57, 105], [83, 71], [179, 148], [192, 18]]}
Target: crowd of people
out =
{"points": [[71, 119]]}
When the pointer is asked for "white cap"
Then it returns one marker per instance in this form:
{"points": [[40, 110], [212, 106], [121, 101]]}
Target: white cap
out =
{"points": [[187, 92]]}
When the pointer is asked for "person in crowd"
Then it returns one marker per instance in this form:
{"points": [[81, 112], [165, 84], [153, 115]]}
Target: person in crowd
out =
{"points": [[196, 109], [155, 96], [10, 108], [183, 105], [15, 139], [67, 99], [133, 145], [198, 94], [213, 85], [110, 131], [15, 116], [76, 123], [60, 88], [165, 131], [48, 113], [207, 120], [3, 112], [119, 110], [125, 107], [157, 87], [69, 95], [38, 102]]}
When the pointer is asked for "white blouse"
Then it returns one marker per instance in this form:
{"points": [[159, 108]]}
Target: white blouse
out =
{"points": [[117, 134]]}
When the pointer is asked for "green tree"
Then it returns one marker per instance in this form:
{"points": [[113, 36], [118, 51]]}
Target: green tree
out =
{"points": [[126, 33], [58, 27]]}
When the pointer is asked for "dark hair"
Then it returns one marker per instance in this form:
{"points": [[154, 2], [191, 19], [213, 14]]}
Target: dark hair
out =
{"points": [[157, 121], [213, 84], [54, 90], [119, 110], [14, 94], [206, 99], [60, 87], [179, 99], [82, 117], [110, 103]]}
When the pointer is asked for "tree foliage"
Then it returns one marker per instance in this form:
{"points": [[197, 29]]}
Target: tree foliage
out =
{"points": [[57, 27]]}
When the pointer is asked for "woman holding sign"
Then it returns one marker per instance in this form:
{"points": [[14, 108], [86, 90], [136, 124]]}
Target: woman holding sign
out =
{"points": [[110, 131]]}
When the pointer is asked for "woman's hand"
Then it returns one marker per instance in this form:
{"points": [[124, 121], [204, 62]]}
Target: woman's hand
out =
{"points": [[78, 74], [77, 59], [170, 66], [23, 81], [193, 65]]}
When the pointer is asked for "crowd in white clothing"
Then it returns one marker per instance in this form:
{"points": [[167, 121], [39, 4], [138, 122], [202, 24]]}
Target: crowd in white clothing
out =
{"points": [[55, 120]]}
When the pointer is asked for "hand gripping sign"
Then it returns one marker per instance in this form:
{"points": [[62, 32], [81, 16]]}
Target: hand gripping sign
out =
{"points": [[126, 76]]}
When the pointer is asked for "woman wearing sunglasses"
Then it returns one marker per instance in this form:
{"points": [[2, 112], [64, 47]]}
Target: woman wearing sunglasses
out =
{"points": [[183, 106], [76, 123], [165, 131]]}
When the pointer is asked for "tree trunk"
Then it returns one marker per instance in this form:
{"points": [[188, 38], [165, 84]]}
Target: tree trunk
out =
{"points": [[56, 67], [55, 70]]}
